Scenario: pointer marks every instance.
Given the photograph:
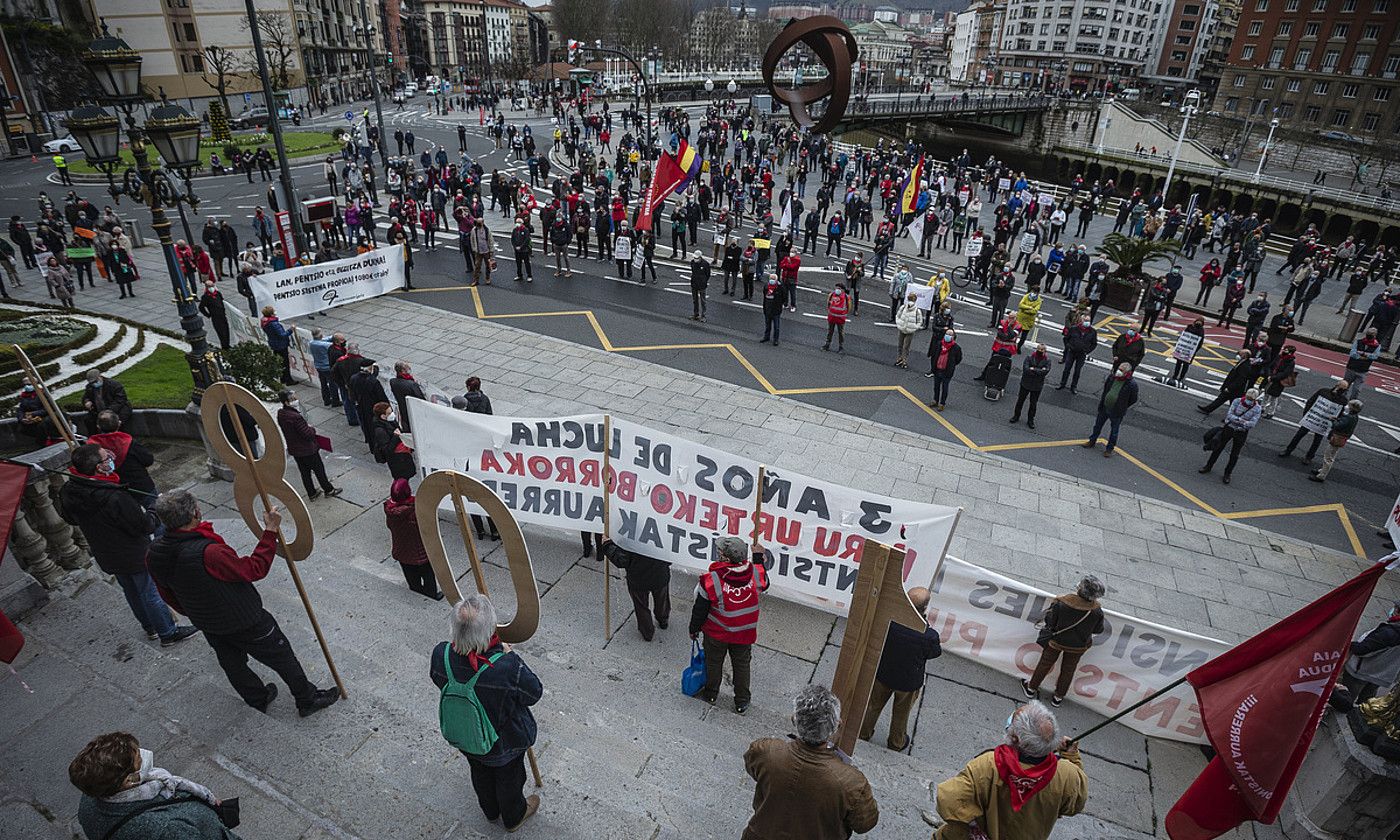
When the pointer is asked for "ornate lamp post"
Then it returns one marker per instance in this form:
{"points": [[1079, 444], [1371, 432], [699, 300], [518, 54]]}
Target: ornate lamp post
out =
{"points": [[174, 132]]}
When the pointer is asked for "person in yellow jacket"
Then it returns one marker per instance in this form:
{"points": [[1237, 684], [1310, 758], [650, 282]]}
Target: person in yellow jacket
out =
{"points": [[942, 285], [61, 164], [1028, 313]]}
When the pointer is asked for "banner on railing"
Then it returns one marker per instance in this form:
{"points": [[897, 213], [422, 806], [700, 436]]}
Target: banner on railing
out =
{"points": [[307, 289]]}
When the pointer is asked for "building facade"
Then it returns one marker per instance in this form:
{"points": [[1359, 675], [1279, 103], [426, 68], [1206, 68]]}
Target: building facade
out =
{"points": [[1227, 16], [972, 54], [1186, 40], [1317, 65], [1102, 44], [479, 39]]}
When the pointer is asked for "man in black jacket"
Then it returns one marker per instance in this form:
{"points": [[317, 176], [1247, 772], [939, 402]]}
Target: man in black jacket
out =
{"points": [[208, 581], [104, 394], [645, 576], [118, 531], [1235, 384], [699, 282], [1080, 340], [1034, 371], [404, 386], [901, 674], [132, 459], [367, 390]]}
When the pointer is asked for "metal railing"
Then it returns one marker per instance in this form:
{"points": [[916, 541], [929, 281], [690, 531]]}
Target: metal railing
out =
{"points": [[949, 105]]}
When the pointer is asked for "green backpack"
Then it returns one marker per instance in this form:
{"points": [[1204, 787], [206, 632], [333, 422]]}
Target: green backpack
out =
{"points": [[460, 714]]}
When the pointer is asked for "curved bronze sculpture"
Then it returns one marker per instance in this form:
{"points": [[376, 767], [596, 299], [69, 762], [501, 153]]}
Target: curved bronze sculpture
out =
{"points": [[835, 47]]}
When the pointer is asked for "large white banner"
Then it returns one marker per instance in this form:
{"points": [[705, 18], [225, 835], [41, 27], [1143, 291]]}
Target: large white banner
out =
{"points": [[303, 290], [672, 498], [990, 618]]}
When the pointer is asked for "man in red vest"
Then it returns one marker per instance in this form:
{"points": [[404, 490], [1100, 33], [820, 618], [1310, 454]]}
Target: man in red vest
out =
{"points": [[838, 306], [726, 611]]}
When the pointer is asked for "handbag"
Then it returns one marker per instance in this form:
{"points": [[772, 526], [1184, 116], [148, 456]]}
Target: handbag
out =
{"points": [[1212, 438], [1046, 634], [693, 677]]}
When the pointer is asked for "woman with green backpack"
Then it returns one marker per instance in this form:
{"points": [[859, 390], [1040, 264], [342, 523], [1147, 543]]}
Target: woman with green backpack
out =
{"points": [[484, 709]]}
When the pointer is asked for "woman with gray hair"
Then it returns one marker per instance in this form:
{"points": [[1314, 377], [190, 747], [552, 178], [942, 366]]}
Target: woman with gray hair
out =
{"points": [[805, 786], [484, 709], [1067, 631]]}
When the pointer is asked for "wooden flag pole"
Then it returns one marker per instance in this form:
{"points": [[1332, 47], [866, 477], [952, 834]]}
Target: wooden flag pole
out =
{"points": [[607, 526], [60, 420], [481, 587], [247, 452], [758, 502]]}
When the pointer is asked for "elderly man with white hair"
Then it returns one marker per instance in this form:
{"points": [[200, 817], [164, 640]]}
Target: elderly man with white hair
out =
{"points": [[1018, 790], [726, 613], [484, 709], [805, 786]]}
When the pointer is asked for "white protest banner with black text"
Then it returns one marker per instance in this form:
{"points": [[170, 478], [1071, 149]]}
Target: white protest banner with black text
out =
{"points": [[307, 289], [671, 498]]}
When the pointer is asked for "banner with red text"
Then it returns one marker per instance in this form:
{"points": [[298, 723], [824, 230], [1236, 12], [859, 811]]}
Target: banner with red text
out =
{"points": [[990, 618], [673, 498]]}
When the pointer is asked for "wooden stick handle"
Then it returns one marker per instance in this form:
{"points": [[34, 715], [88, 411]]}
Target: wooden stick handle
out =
{"points": [[534, 767], [247, 451], [467, 536], [60, 420], [607, 527], [758, 501]]}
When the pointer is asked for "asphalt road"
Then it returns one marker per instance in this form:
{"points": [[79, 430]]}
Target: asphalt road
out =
{"points": [[1160, 439]]}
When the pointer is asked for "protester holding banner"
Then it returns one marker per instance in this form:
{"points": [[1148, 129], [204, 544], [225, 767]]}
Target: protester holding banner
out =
{"points": [[1017, 790], [648, 582], [1343, 427], [1318, 413], [1188, 344], [726, 613]]}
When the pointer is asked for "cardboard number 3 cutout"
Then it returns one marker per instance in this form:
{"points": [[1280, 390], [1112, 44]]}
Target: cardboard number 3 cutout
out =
{"points": [[444, 483]]}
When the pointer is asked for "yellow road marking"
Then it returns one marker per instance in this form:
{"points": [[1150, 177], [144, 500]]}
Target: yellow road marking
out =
{"points": [[607, 345]]}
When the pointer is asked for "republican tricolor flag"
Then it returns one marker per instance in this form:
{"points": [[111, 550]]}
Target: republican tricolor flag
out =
{"points": [[674, 172], [909, 195], [1261, 702]]}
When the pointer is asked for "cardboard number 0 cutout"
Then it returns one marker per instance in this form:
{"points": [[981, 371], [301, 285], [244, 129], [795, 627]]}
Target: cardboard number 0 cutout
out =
{"points": [[271, 467], [449, 483]]}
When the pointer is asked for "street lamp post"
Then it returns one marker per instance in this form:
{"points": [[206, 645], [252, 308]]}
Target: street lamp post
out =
{"points": [[1193, 99], [1268, 142], [174, 132], [710, 89]]}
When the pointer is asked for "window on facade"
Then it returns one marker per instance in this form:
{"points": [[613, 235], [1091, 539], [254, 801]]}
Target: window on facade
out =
{"points": [[1340, 30], [1255, 28], [1312, 113], [1285, 111], [1231, 103], [1319, 5], [1239, 81], [1310, 30], [1359, 63], [1382, 6], [1321, 88], [1300, 61], [1381, 94], [1392, 66], [1276, 57], [1183, 40], [1348, 5], [1285, 28], [1247, 54], [1267, 82], [1188, 26], [189, 32], [1372, 32], [1329, 60], [197, 61], [1178, 55], [1350, 91], [1191, 10], [1294, 85], [1370, 122], [1291, 6], [1062, 29], [1341, 117], [1261, 5]]}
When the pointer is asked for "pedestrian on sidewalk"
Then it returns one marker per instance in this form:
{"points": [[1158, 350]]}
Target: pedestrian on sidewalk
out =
{"points": [[1119, 394], [805, 787], [774, 300], [479, 676], [303, 446], [1235, 291], [1242, 415], [1129, 348], [118, 530], [1185, 351], [211, 306], [367, 392], [126, 795], [901, 675], [1034, 370], [1067, 631], [1356, 286], [1363, 353], [279, 338], [649, 584], [1336, 395], [944, 356], [726, 613], [1017, 790], [202, 577], [403, 386], [1210, 278], [838, 306], [699, 284], [1281, 375], [405, 541], [345, 362], [60, 283], [320, 348], [482, 252], [1342, 428], [1236, 382]]}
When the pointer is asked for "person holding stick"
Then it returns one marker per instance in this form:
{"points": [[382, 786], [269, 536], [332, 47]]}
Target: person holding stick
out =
{"points": [[482, 681], [647, 577], [199, 575], [726, 612]]}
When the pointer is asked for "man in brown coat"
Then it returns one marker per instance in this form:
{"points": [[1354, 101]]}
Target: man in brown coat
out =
{"points": [[806, 787], [1018, 790]]}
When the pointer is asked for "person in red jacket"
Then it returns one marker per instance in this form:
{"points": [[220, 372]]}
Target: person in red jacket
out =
{"points": [[838, 306], [787, 273], [726, 613], [302, 445], [406, 543]]}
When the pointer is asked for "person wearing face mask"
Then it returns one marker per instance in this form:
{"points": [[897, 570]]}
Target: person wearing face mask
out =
{"points": [[211, 306], [1129, 348], [1080, 339], [33, 416], [1028, 313], [907, 322], [388, 445], [1119, 394], [1184, 353], [943, 358], [774, 299], [302, 446], [1281, 375], [1153, 306], [126, 795], [404, 386], [1255, 313], [367, 391], [1235, 384], [1242, 415], [118, 530], [1034, 371]]}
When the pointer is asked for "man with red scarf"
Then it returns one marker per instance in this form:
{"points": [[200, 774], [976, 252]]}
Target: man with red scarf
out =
{"points": [[1018, 790], [204, 578]]}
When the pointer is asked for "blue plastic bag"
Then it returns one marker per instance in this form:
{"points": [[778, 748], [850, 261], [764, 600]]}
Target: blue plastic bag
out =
{"points": [[693, 677]]}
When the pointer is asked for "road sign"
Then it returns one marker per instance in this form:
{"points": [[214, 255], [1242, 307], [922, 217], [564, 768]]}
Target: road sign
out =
{"points": [[247, 99], [349, 116]]}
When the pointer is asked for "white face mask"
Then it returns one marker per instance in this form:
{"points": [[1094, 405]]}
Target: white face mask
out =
{"points": [[294, 404], [148, 762], [390, 416]]}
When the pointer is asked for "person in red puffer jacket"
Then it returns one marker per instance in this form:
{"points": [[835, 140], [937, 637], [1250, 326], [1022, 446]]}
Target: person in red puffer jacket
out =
{"points": [[726, 613], [406, 543]]}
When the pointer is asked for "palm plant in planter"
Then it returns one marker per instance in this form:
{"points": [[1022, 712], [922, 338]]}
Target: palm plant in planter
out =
{"points": [[1130, 254]]}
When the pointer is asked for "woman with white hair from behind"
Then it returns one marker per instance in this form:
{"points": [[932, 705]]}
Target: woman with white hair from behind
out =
{"points": [[805, 786], [1067, 631], [484, 709]]}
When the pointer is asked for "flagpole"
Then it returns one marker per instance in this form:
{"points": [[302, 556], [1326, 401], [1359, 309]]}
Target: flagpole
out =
{"points": [[1153, 696]]}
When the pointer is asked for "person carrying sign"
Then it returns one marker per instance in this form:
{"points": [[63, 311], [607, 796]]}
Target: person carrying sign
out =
{"points": [[484, 709], [647, 577], [1318, 413], [1188, 344], [726, 613]]}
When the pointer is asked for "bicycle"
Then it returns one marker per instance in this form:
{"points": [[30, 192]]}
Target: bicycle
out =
{"points": [[961, 277]]}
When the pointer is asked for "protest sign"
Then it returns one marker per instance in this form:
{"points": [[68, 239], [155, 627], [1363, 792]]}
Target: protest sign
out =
{"points": [[622, 248], [1186, 346], [304, 290], [1003, 184], [973, 248], [672, 498], [990, 618], [924, 296], [1318, 419]]}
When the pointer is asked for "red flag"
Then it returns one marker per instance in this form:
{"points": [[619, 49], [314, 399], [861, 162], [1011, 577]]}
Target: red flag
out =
{"points": [[669, 175], [13, 478], [1261, 702]]}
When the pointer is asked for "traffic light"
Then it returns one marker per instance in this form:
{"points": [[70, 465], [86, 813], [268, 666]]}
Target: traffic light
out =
{"points": [[574, 47]]}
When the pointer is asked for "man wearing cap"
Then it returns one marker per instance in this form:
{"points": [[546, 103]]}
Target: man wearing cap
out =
{"points": [[726, 612]]}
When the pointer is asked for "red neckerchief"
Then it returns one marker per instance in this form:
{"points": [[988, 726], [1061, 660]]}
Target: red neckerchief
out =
{"points": [[407, 376], [1023, 782], [110, 477], [205, 529], [119, 443], [1132, 338], [476, 660]]}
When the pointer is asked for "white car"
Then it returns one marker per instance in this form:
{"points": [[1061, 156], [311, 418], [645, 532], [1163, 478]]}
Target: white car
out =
{"points": [[63, 145]]}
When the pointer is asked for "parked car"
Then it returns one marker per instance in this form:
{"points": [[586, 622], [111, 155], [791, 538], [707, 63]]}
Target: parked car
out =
{"points": [[1340, 136], [63, 145], [251, 117]]}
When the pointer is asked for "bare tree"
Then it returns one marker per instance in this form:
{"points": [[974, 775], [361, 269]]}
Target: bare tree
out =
{"points": [[651, 23], [279, 44], [583, 20], [223, 67]]}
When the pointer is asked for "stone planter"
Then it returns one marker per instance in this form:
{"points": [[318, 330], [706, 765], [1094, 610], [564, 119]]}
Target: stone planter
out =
{"points": [[1121, 296]]}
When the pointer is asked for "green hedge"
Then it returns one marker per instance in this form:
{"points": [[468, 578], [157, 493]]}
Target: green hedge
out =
{"points": [[88, 357]]}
